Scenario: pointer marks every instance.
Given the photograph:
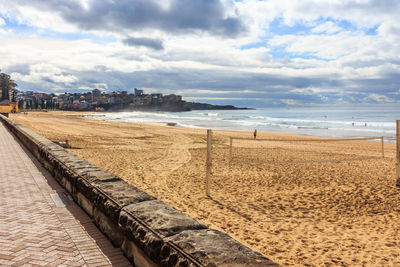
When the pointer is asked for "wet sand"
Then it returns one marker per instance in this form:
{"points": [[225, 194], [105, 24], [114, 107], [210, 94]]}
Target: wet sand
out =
{"points": [[326, 213]]}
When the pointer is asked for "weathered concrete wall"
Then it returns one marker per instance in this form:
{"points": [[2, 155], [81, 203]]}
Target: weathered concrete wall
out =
{"points": [[148, 231]]}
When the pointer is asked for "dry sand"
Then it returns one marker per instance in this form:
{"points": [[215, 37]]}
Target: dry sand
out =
{"points": [[327, 213]]}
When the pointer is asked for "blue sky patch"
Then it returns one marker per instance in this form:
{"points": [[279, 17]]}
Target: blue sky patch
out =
{"points": [[24, 30], [253, 45], [277, 27]]}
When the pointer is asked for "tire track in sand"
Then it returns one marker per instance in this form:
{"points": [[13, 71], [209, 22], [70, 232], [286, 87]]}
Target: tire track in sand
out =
{"points": [[175, 156]]}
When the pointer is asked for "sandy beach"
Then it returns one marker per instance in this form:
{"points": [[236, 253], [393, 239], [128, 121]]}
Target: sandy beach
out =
{"points": [[325, 213]]}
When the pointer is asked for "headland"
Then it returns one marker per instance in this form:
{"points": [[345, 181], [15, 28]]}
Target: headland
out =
{"points": [[97, 100]]}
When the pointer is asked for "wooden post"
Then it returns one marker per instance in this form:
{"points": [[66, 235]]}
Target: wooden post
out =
{"points": [[230, 150], [383, 147], [208, 161], [398, 153]]}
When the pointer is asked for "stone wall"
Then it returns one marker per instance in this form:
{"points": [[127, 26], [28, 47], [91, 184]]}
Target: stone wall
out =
{"points": [[148, 231]]}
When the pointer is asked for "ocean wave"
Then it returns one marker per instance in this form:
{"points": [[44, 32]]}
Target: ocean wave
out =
{"points": [[343, 122], [295, 122], [211, 114], [312, 127], [372, 130]]}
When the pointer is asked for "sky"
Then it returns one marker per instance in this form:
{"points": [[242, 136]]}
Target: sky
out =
{"points": [[272, 53]]}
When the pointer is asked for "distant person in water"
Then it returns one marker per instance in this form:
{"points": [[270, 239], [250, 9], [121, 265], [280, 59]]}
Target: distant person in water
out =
{"points": [[255, 133]]}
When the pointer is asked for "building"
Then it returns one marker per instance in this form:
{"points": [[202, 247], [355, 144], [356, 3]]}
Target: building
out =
{"points": [[97, 100], [138, 92], [156, 99], [147, 99], [172, 98], [96, 95]]}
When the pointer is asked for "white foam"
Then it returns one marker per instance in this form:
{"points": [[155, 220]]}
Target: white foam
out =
{"points": [[307, 122]]}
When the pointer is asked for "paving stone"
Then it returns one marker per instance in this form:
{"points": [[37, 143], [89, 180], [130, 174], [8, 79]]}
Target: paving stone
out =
{"points": [[34, 231]]}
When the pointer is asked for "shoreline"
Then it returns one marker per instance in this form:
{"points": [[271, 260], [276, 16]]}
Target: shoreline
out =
{"points": [[327, 213], [387, 139]]}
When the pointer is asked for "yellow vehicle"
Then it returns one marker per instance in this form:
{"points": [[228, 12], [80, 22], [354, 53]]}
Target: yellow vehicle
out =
{"points": [[7, 95], [8, 107]]}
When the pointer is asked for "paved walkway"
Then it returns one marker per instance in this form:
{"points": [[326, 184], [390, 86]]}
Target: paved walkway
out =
{"points": [[39, 223]]}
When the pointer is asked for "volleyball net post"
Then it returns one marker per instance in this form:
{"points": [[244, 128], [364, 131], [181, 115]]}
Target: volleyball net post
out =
{"points": [[398, 153], [208, 161]]}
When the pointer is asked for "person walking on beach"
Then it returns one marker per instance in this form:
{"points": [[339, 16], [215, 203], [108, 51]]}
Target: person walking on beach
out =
{"points": [[255, 133]]}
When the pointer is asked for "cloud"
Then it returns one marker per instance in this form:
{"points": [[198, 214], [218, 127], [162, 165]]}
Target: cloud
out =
{"points": [[379, 98], [2, 22], [191, 71], [284, 52], [322, 46], [291, 102], [155, 44], [126, 16], [360, 13], [47, 73], [328, 28]]}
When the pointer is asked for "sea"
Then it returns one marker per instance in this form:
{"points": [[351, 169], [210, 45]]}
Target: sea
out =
{"points": [[326, 122]]}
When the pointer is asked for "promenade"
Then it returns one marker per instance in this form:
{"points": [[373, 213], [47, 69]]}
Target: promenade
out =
{"points": [[39, 224]]}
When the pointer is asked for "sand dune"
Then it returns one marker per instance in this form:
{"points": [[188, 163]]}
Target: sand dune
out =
{"points": [[329, 213]]}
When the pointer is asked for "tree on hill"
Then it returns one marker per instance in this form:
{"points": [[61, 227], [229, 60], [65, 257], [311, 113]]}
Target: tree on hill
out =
{"points": [[7, 88]]}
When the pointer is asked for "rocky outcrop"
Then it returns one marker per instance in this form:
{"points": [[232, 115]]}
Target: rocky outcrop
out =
{"points": [[205, 106], [148, 231]]}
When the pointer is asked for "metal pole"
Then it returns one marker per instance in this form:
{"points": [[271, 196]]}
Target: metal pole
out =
{"points": [[383, 147], [208, 161], [398, 153]]}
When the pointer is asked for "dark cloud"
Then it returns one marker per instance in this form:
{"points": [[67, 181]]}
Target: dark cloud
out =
{"points": [[155, 44], [262, 89], [270, 88], [19, 68], [119, 16]]}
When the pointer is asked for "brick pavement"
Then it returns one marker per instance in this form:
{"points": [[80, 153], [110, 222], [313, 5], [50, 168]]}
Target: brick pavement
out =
{"points": [[39, 223]]}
